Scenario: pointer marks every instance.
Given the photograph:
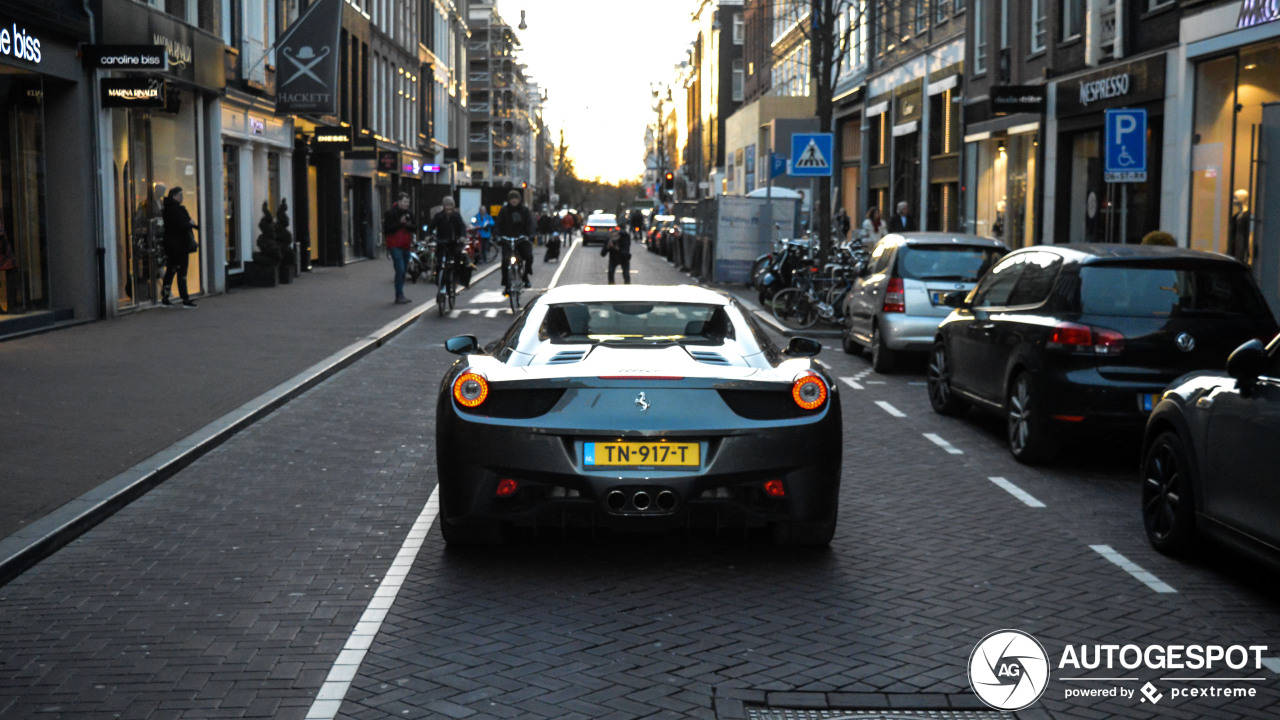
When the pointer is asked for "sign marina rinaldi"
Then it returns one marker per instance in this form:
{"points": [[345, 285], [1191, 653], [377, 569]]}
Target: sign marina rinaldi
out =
{"points": [[1009, 670]]}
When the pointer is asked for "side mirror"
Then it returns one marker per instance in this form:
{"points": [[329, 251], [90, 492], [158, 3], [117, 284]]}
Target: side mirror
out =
{"points": [[955, 298], [1247, 362], [803, 347], [462, 345]]}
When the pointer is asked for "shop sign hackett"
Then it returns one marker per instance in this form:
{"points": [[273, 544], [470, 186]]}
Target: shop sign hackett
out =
{"points": [[308, 70]]}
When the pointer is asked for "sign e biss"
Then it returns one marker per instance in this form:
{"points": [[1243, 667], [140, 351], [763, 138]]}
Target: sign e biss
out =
{"points": [[1125, 159], [17, 43]]}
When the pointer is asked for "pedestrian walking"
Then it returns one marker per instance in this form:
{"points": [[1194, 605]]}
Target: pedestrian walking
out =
{"points": [[902, 221], [397, 229], [179, 243], [619, 251], [843, 226], [515, 220], [545, 227], [873, 228]]}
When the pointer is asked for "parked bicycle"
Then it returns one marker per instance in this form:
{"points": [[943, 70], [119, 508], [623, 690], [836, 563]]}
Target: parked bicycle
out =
{"points": [[819, 292]]}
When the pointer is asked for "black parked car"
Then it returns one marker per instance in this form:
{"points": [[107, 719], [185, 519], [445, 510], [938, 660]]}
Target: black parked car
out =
{"points": [[1057, 337], [1210, 457]]}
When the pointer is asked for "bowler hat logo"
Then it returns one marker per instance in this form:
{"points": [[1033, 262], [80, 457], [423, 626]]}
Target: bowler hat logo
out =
{"points": [[304, 61]]}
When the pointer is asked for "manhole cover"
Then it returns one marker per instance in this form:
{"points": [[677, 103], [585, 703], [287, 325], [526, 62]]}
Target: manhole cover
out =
{"points": [[772, 713]]}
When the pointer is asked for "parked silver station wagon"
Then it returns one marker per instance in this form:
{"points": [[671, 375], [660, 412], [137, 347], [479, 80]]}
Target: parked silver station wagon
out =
{"points": [[896, 305]]}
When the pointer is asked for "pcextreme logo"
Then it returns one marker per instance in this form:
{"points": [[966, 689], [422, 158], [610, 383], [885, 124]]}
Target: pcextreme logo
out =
{"points": [[1010, 670]]}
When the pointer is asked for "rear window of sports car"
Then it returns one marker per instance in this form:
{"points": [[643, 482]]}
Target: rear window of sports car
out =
{"points": [[636, 323]]}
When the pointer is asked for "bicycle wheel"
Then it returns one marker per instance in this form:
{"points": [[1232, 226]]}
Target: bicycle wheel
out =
{"points": [[514, 275], [453, 291], [793, 307]]}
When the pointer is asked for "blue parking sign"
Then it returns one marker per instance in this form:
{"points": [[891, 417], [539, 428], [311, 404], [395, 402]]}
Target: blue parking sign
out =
{"points": [[811, 154], [1125, 159]]}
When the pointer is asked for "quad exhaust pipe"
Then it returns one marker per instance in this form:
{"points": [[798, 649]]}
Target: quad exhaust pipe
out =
{"points": [[641, 501]]}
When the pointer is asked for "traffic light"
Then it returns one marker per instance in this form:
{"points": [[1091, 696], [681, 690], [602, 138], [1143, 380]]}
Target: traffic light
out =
{"points": [[669, 182]]}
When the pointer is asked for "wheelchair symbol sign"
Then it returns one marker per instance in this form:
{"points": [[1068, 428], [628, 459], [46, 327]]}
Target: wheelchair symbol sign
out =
{"points": [[1126, 145]]}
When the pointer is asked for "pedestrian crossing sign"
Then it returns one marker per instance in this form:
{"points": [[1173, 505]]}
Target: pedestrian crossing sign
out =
{"points": [[811, 154]]}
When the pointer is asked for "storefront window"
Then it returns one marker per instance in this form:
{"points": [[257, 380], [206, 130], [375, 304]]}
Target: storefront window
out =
{"points": [[230, 188], [1001, 175], [23, 241]]}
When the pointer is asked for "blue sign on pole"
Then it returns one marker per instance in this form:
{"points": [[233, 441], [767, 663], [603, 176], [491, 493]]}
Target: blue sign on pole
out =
{"points": [[777, 165], [1125, 159], [812, 154]]}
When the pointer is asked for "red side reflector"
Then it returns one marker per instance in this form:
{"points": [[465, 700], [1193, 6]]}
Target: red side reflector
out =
{"points": [[1069, 418], [506, 488], [774, 488]]}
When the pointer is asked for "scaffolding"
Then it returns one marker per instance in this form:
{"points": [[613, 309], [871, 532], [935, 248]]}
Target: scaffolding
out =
{"points": [[500, 129]]}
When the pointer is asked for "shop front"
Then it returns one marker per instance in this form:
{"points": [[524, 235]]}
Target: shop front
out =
{"points": [[847, 121], [158, 140], [1002, 157], [48, 267], [1087, 208], [257, 161]]}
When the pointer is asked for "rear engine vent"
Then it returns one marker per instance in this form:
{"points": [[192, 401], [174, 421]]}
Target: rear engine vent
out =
{"points": [[517, 404], [764, 404], [566, 357], [706, 356]]}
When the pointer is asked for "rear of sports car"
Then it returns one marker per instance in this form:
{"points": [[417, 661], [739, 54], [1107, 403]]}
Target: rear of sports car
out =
{"points": [[635, 450]]}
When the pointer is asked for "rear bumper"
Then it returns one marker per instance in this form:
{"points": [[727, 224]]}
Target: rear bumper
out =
{"points": [[556, 491], [912, 333], [1083, 397]]}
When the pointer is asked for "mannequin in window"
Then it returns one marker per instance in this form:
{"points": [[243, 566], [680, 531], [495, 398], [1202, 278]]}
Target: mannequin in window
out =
{"points": [[1238, 230]]}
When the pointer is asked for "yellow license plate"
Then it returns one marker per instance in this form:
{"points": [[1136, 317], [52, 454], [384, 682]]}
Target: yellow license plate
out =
{"points": [[641, 454]]}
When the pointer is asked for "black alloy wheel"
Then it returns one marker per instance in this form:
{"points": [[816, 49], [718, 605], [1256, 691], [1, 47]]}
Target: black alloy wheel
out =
{"points": [[882, 358], [942, 396], [1029, 438], [1168, 513]]}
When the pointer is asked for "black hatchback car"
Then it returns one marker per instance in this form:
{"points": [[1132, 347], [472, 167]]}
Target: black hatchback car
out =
{"points": [[1210, 457], [1058, 337]]}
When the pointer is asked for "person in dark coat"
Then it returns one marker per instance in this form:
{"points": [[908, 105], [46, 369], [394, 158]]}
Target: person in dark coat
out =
{"points": [[450, 232], [901, 220], [619, 251], [635, 222], [178, 243], [515, 220]]}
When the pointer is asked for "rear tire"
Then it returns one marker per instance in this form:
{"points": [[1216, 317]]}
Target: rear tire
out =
{"points": [[1029, 436], [801, 534], [473, 534], [847, 342], [882, 358], [1168, 510]]}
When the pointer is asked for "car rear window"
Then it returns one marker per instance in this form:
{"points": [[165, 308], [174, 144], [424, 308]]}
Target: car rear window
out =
{"points": [[602, 220], [1128, 291], [636, 323], [946, 262]]}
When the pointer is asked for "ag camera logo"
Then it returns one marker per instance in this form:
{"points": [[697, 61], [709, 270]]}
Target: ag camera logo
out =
{"points": [[1008, 670]]}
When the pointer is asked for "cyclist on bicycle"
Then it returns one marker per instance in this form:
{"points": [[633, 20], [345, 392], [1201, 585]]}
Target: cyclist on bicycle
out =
{"points": [[451, 234], [515, 220]]}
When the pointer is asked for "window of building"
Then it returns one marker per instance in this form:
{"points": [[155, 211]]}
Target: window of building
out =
{"points": [[942, 10], [1004, 24], [738, 78], [1157, 4], [1039, 24], [739, 29], [979, 38], [922, 15], [1072, 18]]}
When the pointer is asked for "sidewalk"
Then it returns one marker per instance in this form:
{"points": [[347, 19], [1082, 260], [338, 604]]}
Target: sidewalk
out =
{"points": [[82, 405]]}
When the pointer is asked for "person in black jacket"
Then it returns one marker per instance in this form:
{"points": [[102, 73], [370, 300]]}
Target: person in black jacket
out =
{"points": [[619, 251], [178, 243], [450, 232], [515, 220], [902, 220]]}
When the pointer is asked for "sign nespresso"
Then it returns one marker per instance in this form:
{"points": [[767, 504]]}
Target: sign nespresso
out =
{"points": [[127, 57], [1126, 85], [1017, 99], [133, 92]]}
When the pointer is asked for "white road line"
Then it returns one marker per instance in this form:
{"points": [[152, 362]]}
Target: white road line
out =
{"points": [[492, 313], [347, 665], [1132, 568], [918, 383], [852, 383], [564, 262], [455, 314], [890, 409], [1026, 497], [876, 382], [943, 444]]}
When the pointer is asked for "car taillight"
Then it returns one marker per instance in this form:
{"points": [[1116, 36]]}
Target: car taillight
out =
{"points": [[895, 297], [470, 389], [1085, 339], [809, 391], [589, 229]]}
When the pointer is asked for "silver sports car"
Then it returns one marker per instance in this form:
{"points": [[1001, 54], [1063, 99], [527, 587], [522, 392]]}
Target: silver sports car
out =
{"points": [[637, 408]]}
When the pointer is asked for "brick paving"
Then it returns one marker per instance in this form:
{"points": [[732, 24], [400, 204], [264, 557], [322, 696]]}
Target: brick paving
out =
{"points": [[230, 590]]}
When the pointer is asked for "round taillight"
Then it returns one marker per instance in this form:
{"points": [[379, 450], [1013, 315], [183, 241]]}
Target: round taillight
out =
{"points": [[470, 389], [809, 392]]}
